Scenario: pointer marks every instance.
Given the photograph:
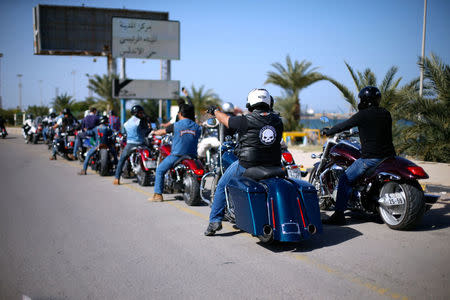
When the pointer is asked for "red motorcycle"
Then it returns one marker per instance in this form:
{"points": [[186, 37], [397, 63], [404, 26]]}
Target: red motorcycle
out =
{"points": [[390, 189], [184, 176]]}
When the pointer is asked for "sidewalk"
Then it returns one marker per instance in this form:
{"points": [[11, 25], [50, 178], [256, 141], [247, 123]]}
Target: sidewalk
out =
{"points": [[439, 172]]}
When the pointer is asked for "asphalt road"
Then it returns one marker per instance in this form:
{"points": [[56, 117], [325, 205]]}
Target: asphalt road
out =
{"points": [[64, 236]]}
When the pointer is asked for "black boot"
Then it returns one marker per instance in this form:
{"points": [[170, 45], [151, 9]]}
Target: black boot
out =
{"points": [[212, 228], [338, 218]]}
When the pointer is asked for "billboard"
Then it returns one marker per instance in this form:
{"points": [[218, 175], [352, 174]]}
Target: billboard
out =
{"points": [[79, 30], [146, 89], [140, 38]]}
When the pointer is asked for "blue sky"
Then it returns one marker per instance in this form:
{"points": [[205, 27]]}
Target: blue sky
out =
{"points": [[229, 46]]}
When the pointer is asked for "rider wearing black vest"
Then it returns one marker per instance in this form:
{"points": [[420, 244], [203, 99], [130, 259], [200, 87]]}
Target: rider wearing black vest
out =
{"points": [[259, 145], [259, 140]]}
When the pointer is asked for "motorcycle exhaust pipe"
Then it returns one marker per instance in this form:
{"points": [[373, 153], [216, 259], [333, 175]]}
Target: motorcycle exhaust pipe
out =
{"points": [[312, 229]]}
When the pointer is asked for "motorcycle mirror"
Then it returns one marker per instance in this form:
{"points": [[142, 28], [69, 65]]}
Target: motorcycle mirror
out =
{"points": [[324, 119], [211, 122], [313, 156], [153, 125]]}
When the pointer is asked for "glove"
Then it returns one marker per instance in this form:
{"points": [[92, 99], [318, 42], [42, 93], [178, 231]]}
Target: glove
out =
{"points": [[211, 109], [325, 131]]}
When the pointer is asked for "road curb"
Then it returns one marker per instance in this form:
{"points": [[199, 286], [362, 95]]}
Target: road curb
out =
{"points": [[432, 188]]}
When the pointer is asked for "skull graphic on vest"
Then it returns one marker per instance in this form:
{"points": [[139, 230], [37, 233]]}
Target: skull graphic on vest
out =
{"points": [[267, 135]]}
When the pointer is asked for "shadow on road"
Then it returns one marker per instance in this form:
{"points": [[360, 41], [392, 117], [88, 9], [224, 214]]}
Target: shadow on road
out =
{"points": [[437, 217]]}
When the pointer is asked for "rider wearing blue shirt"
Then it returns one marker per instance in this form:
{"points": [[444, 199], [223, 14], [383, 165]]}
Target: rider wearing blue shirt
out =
{"points": [[103, 135], [185, 139], [136, 128]]}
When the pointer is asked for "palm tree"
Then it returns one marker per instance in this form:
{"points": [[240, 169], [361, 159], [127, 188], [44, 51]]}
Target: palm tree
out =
{"points": [[62, 101], [284, 106], [292, 78], [102, 86], [202, 99], [427, 133]]}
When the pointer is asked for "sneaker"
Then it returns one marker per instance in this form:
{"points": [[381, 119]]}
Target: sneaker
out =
{"points": [[53, 157], [71, 156], [116, 181], [337, 218], [82, 172], [212, 228], [156, 198]]}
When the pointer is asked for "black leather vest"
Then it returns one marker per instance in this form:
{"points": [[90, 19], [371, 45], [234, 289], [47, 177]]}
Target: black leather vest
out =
{"points": [[260, 145]]}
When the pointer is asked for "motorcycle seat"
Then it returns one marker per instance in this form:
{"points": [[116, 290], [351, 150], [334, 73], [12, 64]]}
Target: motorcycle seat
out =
{"points": [[181, 158], [369, 172], [260, 172]]}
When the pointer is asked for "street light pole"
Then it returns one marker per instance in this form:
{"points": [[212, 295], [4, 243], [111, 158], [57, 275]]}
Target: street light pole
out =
{"points": [[20, 91], [40, 91], [1, 103], [423, 47], [73, 73]]}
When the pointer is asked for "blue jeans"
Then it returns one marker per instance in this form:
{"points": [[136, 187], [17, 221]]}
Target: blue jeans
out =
{"points": [[92, 151], [348, 179], [78, 140], [163, 167], [123, 157], [44, 133], [218, 207]]}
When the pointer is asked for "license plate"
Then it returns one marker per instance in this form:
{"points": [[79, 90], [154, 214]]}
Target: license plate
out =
{"points": [[150, 164], [294, 173], [70, 138], [395, 199]]}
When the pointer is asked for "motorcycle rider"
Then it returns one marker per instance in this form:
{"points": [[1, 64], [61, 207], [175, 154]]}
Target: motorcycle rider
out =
{"points": [[67, 119], [137, 129], [259, 139], [27, 125], [185, 139], [211, 140], [49, 121], [375, 132], [2, 125], [103, 135], [87, 125]]}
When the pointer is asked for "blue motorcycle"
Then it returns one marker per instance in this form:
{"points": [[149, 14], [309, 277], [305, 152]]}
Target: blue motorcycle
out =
{"points": [[265, 202]]}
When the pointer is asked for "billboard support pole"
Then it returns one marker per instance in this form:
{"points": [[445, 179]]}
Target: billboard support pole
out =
{"points": [[122, 101], [165, 75]]}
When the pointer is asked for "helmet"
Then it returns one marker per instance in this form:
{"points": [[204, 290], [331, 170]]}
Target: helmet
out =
{"points": [[369, 96], [51, 111], [104, 120], [135, 109], [256, 97], [228, 107], [29, 116], [86, 113], [66, 111]]}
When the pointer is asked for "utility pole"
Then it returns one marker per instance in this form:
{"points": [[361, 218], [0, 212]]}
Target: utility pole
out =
{"points": [[423, 47], [20, 91], [1, 103], [123, 102], [90, 94], [40, 91]]}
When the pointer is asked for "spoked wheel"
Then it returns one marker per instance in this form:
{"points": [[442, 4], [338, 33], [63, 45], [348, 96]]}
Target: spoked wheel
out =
{"points": [[401, 205], [267, 237], [143, 177], [191, 193], [325, 203]]}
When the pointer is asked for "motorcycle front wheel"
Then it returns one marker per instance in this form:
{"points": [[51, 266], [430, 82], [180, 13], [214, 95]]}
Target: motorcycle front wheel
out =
{"points": [[402, 216], [191, 192], [324, 203]]}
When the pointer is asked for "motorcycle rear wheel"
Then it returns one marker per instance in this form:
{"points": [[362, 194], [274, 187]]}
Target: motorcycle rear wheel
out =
{"points": [[143, 177], [405, 216], [104, 162], [191, 193], [35, 138]]}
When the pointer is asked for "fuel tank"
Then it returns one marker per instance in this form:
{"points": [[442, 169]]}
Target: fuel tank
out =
{"points": [[345, 152]]}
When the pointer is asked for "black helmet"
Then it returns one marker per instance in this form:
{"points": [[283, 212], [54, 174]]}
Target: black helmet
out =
{"points": [[368, 97], [104, 120], [135, 109], [66, 111]]}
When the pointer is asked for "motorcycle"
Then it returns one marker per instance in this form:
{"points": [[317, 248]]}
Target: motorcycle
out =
{"points": [[36, 133], [4, 133], [102, 160], [184, 176], [389, 189], [64, 142], [273, 207]]}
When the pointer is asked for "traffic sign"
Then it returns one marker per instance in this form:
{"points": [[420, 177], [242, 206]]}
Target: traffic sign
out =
{"points": [[146, 89]]}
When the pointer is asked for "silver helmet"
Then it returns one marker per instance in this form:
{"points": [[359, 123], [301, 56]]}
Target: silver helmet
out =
{"points": [[228, 107]]}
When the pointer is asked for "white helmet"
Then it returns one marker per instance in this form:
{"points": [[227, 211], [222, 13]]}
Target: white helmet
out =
{"points": [[86, 113], [228, 107], [258, 96], [51, 111]]}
